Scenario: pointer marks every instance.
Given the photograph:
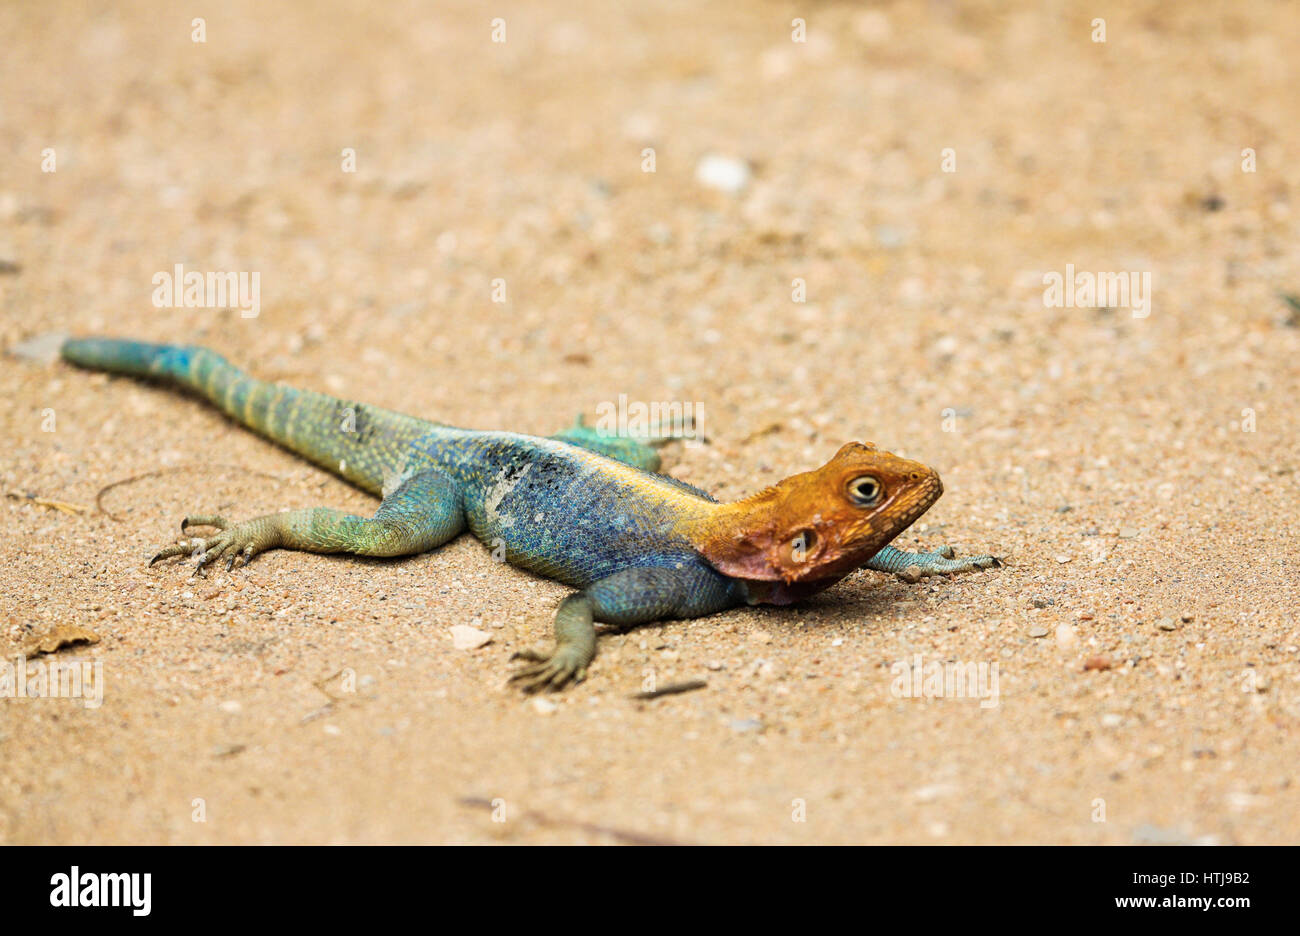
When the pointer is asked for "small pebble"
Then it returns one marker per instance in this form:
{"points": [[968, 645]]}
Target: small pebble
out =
{"points": [[41, 348], [464, 637], [723, 174]]}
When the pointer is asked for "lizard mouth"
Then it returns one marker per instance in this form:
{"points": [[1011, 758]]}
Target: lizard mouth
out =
{"points": [[764, 591]]}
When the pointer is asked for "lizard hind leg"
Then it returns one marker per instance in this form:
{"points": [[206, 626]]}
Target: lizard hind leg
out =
{"points": [[422, 512], [627, 449]]}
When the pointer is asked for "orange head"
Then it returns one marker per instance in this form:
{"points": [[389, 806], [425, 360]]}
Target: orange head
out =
{"points": [[812, 529]]}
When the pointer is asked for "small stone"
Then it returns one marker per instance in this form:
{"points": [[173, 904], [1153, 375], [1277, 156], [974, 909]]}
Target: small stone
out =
{"points": [[1128, 533], [1098, 663], [1240, 802], [1167, 624], [464, 637], [1038, 630], [723, 173], [43, 349], [742, 725], [933, 791], [544, 707], [890, 238], [660, 233], [1040, 602], [1111, 720], [1065, 636], [1063, 559], [230, 705]]}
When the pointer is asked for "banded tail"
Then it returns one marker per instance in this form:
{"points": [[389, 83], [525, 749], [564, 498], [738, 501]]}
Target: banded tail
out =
{"points": [[358, 442]]}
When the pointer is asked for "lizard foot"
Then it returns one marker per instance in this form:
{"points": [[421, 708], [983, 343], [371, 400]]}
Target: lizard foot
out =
{"points": [[943, 562], [553, 671], [241, 540]]}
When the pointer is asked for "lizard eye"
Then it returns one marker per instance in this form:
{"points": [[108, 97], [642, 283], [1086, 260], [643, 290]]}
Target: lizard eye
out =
{"points": [[865, 491]]}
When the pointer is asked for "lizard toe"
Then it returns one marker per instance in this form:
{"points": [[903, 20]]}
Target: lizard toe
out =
{"points": [[208, 520], [212, 550], [532, 656], [551, 672], [176, 549]]}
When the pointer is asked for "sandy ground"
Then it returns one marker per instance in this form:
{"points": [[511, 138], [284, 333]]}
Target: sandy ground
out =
{"points": [[1141, 472]]}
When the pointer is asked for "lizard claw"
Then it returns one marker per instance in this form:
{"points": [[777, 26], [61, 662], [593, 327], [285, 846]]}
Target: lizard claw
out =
{"points": [[240, 541], [551, 671], [177, 549]]}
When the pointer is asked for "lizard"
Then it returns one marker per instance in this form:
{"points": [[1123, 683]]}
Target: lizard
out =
{"points": [[584, 507]]}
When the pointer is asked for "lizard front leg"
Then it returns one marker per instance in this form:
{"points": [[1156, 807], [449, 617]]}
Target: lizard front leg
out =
{"points": [[912, 567], [632, 596], [423, 512]]}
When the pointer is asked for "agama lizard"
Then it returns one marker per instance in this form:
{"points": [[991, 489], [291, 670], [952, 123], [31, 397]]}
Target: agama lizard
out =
{"points": [[583, 507]]}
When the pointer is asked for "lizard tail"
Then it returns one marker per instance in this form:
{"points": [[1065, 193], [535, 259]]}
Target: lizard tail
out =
{"points": [[203, 371], [355, 441]]}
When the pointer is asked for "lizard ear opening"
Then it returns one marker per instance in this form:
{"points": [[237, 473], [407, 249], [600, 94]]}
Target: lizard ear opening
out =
{"points": [[802, 546]]}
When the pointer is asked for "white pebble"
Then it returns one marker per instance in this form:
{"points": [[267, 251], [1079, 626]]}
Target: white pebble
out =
{"points": [[464, 637], [723, 173]]}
